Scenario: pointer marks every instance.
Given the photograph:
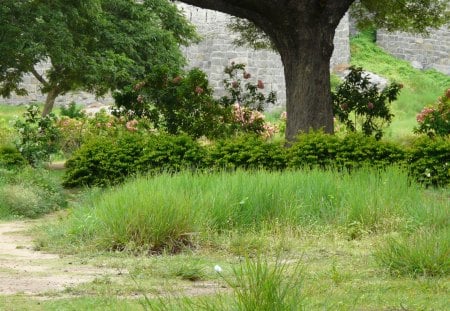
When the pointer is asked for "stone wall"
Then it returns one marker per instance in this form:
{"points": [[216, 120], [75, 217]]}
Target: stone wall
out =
{"points": [[423, 52], [212, 55]]}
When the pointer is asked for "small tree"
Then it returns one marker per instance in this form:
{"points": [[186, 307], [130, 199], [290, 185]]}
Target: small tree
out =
{"points": [[360, 98], [92, 45]]}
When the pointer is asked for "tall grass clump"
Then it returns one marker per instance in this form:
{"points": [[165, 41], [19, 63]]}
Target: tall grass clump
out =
{"points": [[423, 253], [167, 212], [261, 286], [29, 193]]}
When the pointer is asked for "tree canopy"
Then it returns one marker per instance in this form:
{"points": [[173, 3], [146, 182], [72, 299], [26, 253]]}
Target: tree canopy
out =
{"points": [[302, 31], [92, 45]]}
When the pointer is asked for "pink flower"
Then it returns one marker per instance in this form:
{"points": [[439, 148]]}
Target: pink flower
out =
{"points": [[198, 90], [423, 114], [247, 75], [370, 106], [260, 84], [176, 80], [234, 84], [131, 125], [139, 86]]}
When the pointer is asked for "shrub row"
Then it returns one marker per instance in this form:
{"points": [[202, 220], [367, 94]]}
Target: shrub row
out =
{"points": [[109, 160]]}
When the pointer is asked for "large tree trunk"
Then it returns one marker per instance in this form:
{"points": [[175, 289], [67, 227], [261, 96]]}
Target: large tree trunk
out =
{"points": [[303, 32], [50, 101], [307, 75]]}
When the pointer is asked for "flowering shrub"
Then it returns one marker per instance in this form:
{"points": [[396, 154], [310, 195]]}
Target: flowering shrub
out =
{"points": [[435, 120], [175, 103], [247, 102], [38, 136], [360, 98]]}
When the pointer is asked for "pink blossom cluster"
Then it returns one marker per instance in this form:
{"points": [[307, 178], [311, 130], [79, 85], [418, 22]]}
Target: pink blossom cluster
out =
{"points": [[269, 130], [245, 115], [424, 113], [132, 125]]}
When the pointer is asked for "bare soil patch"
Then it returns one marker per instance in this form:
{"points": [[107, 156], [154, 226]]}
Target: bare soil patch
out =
{"points": [[24, 270]]}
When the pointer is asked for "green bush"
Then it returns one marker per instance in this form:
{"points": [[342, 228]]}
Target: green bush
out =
{"points": [[11, 158], [247, 152], [29, 193], [174, 103], [320, 150], [313, 150], [38, 135], [429, 161], [356, 150], [168, 153], [105, 161]]}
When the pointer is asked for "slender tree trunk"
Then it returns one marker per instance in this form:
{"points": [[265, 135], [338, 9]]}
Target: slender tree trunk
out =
{"points": [[50, 101]]}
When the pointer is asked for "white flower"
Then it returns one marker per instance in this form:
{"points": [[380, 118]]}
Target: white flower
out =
{"points": [[217, 268]]}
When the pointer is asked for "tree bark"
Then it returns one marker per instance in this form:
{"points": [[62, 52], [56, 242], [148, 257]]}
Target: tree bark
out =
{"points": [[307, 75], [50, 101], [303, 32]]}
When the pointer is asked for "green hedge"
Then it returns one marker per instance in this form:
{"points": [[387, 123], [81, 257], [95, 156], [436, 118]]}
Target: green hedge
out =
{"points": [[247, 152], [429, 161], [319, 150], [105, 161]]}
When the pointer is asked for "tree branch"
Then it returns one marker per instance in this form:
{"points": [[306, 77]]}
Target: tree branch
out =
{"points": [[38, 76]]}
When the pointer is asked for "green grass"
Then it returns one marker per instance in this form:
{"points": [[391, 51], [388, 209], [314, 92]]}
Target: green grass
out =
{"points": [[423, 253], [170, 213], [421, 88], [29, 193]]}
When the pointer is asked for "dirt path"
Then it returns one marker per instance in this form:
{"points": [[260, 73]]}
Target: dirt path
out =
{"points": [[24, 270]]}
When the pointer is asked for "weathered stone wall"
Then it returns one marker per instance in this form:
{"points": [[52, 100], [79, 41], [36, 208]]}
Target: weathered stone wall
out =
{"points": [[212, 55], [422, 51]]}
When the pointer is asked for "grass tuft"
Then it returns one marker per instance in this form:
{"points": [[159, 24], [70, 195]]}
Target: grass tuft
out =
{"points": [[423, 253]]}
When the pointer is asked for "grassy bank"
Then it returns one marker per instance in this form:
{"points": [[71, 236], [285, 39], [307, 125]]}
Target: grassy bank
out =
{"points": [[421, 88]]}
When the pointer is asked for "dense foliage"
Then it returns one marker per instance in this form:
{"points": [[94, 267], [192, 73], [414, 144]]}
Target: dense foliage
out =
{"points": [[38, 135], [95, 45], [357, 97], [173, 102], [429, 161], [183, 103], [104, 160]]}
